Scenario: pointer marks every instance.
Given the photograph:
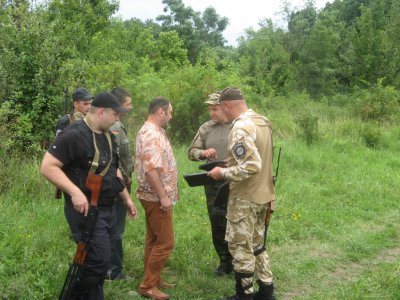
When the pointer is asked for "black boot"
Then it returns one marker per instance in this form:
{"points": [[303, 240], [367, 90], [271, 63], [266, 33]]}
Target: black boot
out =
{"points": [[239, 297], [225, 267], [265, 291], [240, 289]]}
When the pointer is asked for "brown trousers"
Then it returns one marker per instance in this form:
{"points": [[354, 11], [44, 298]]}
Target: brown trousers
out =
{"points": [[159, 242]]}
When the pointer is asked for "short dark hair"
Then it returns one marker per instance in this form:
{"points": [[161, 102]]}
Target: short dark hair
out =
{"points": [[121, 94], [158, 102]]}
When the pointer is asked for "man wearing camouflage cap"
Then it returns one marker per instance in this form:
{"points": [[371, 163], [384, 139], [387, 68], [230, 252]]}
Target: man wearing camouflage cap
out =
{"points": [[249, 172], [210, 143]]}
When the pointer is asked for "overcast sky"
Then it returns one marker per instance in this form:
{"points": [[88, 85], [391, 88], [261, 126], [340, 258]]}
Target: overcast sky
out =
{"points": [[241, 14]]}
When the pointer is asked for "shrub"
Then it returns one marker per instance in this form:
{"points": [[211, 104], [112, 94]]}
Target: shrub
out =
{"points": [[308, 124], [371, 136], [379, 103], [16, 131]]}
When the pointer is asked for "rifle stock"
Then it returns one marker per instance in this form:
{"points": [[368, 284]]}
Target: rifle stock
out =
{"points": [[93, 183], [266, 223], [269, 210]]}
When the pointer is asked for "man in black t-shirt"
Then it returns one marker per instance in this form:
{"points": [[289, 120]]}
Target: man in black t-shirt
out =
{"points": [[67, 163]]}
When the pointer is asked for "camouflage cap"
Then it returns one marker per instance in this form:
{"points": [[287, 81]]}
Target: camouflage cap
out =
{"points": [[213, 98]]}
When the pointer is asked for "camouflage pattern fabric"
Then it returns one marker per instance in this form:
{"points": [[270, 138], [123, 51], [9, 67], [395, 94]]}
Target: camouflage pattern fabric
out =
{"points": [[125, 156], [249, 160], [245, 234]]}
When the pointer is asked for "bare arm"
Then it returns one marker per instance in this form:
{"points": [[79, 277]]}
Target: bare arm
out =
{"points": [[51, 169], [153, 177]]}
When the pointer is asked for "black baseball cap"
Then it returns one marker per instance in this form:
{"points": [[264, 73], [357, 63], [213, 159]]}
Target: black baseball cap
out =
{"points": [[81, 94], [231, 93], [108, 100]]}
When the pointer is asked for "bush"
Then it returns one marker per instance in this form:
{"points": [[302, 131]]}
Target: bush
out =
{"points": [[187, 89], [308, 124], [379, 103], [16, 131], [371, 136]]}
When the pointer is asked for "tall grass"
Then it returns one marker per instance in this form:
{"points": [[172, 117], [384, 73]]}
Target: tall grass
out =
{"points": [[335, 233]]}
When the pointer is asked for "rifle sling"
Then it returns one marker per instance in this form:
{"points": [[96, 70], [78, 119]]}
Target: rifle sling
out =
{"points": [[95, 162]]}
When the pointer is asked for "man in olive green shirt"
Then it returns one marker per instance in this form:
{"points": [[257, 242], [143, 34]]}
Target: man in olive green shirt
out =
{"points": [[115, 271], [210, 143]]}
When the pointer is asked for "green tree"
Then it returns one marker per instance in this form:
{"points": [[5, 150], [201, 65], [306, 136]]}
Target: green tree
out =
{"points": [[393, 46], [78, 20], [197, 30], [369, 43], [265, 61], [300, 24], [319, 65], [29, 68]]}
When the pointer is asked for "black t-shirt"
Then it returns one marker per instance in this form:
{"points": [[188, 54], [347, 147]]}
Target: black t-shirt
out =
{"points": [[74, 148], [68, 147]]}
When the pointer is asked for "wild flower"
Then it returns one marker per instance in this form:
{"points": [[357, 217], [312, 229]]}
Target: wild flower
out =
{"points": [[295, 216]]}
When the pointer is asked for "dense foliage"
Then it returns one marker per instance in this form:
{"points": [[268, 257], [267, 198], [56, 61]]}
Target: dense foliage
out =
{"points": [[347, 53]]}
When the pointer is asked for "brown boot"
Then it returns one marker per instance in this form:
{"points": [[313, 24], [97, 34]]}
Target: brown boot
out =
{"points": [[153, 293]]}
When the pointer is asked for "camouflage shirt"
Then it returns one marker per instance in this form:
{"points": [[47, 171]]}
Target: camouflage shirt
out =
{"points": [[250, 150], [125, 156], [210, 135]]}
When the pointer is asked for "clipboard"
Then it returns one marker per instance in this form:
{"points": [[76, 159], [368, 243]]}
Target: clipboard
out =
{"points": [[211, 165], [198, 179]]}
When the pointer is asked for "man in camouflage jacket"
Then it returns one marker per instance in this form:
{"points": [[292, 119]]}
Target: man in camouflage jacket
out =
{"points": [[249, 172]]}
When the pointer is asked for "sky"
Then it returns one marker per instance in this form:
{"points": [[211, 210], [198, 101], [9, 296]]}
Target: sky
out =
{"points": [[241, 14]]}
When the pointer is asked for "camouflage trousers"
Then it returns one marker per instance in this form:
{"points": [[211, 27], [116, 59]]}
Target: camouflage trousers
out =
{"points": [[245, 236]]}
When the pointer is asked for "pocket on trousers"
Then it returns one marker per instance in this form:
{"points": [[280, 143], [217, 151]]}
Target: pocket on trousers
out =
{"points": [[237, 210], [237, 229]]}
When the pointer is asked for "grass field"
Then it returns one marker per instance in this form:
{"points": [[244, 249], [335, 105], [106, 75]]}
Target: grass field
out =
{"points": [[335, 233]]}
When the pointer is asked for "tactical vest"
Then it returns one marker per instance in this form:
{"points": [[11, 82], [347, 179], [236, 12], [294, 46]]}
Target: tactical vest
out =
{"points": [[258, 188], [78, 170], [67, 120]]}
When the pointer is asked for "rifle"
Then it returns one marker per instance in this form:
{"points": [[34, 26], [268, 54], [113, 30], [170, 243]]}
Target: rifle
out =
{"points": [[58, 192], [269, 209], [93, 183]]}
